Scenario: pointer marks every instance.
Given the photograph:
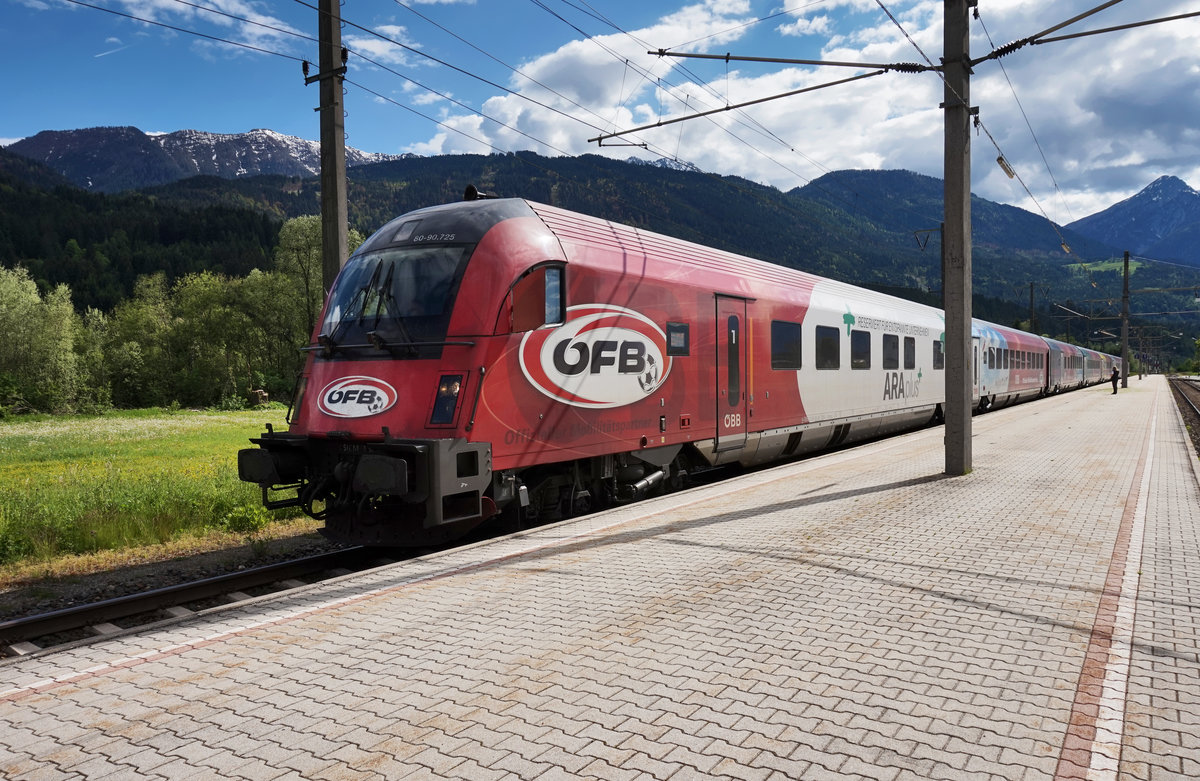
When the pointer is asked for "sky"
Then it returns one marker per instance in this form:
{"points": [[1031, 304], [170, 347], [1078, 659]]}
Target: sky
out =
{"points": [[1084, 122]]}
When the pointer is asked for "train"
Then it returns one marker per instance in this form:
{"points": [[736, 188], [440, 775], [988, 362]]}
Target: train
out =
{"points": [[499, 359]]}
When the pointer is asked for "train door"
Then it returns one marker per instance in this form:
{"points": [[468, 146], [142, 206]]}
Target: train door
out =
{"points": [[732, 374]]}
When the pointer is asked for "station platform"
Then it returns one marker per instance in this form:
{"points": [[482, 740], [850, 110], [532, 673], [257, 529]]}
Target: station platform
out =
{"points": [[855, 615]]}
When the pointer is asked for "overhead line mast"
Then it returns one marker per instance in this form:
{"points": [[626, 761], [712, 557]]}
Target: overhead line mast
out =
{"points": [[956, 235], [331, 71]]}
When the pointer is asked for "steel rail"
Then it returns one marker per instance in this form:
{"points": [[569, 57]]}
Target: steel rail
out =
{"points": [[27, 628]]}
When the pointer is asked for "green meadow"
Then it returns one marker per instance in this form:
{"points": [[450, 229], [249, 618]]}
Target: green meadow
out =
{"points": [[77, 485]]}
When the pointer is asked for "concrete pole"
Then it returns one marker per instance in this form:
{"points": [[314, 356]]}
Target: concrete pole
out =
{"points": [[1032, 313], [334, 228], [1125, 326], [956, 281]]}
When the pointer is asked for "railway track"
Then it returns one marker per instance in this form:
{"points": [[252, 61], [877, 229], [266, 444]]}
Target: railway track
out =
{"points": [[81, 624], [1187, 396]]}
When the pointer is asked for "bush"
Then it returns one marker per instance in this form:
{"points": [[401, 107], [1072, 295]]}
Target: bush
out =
{"points": [[246, 520]]}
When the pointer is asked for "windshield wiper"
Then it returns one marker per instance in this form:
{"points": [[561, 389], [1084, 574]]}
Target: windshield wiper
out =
{"points": [[328, 342], [374, 337]]}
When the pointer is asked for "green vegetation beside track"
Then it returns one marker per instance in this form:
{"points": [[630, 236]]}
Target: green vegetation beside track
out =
{"points": [[77, 485]]}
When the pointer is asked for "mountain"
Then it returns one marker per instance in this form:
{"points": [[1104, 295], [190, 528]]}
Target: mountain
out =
{"points": [[1162, 221], [113, 159], [871, 228]]}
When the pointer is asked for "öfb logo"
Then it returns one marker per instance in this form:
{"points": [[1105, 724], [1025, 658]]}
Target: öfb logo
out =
{"points": [[356, 397], [602, 356]]}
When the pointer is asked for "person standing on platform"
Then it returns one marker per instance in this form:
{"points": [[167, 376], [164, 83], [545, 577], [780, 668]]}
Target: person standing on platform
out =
{"points": [[1116, 375]]}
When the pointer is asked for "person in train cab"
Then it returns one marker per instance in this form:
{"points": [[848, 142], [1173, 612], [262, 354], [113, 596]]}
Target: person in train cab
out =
{"points": [[1116, 375]]}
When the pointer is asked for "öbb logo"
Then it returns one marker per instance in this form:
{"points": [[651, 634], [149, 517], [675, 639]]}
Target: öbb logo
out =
{"points": [[356, 397], [602, 356]]}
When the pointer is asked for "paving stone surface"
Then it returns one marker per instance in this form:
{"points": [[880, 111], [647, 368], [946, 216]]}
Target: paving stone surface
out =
{"points": [[857, 615]]}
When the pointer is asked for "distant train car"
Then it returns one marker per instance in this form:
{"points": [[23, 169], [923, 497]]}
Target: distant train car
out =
{"points": [[507, 358]]}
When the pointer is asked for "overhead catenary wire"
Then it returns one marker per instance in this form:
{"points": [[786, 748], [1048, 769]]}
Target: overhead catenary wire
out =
{"points": [[268, 51], [186, 31], [650, 77], [373, 92], [665, 122], [1024, 115], [908, 67]]}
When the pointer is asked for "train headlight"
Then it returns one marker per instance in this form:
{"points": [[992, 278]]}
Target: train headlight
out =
{"points": [[447, 399]]}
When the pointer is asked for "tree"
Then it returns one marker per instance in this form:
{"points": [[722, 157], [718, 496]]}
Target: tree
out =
{"points": [[138, 350], [298, 257], [38, 369], [208, 340]]}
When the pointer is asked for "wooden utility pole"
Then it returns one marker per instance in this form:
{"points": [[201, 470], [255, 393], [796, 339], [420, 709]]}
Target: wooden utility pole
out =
{"points": [[332, 68], [956, 274]]}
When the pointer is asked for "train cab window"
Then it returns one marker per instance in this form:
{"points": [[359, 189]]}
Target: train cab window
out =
{"points": [[785, 345], [939, 354], [538, 298], [828, 348], [860, 349], [891, 351], [393, 301], [910, 352]]}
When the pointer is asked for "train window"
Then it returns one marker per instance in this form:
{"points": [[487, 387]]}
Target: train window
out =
{"points": [[401, 295], [537, 298], [891, 351], [828, 348], [1004, 358], [679, 341], [785, 345], [910, 352], [554, 295], [860, 349], [939, 354]]}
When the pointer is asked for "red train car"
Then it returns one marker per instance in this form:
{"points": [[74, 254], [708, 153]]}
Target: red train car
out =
{"points": [[506, 358]]}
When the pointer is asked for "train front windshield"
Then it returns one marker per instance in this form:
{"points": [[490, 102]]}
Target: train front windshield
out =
{"points": [[394, 299]]}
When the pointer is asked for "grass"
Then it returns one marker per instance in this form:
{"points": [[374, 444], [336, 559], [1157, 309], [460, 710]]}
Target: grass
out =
{"points": [[1116, 265], [82, 485]]}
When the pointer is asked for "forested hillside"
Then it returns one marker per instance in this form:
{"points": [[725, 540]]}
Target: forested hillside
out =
{"points": [[99, 245], [201, 291]]}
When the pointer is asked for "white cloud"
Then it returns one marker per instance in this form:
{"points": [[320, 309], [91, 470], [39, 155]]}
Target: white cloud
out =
{"points": [[388, 48], [1110, 113]]}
